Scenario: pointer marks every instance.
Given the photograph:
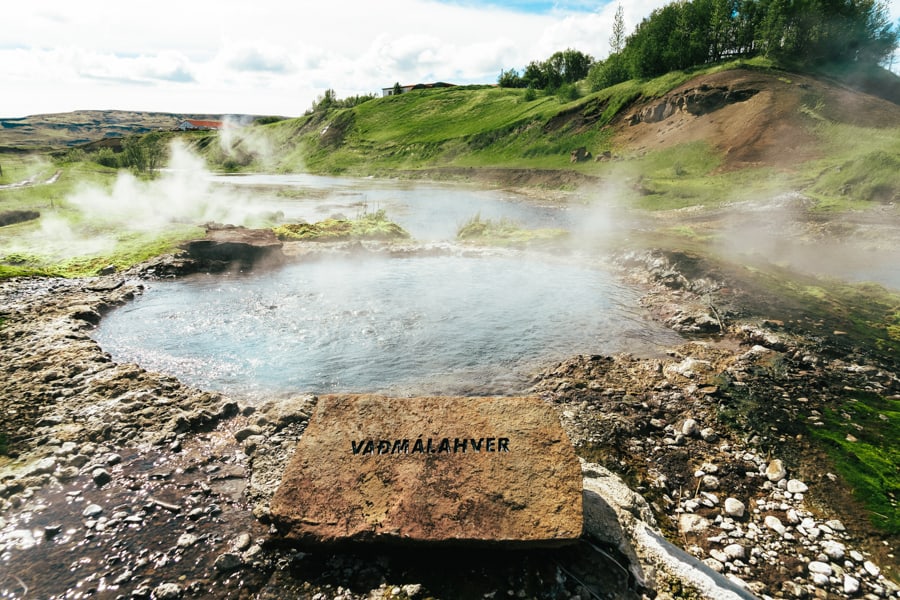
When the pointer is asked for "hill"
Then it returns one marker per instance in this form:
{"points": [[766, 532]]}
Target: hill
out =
{"points": [[83, 126]]}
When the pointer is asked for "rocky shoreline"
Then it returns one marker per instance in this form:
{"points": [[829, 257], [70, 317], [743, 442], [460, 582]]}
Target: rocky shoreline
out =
{"points": [[126, 483]]}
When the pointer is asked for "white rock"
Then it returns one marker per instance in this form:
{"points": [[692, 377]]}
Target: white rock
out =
{"points": [[774, 523], [709, 468], [775, 471], [792, 516], [734, 551], [734, 508], [834, 550], [710, 482], [690, 523], [715, 565], [708, 434], [718, 555], [690, 428], [856, 556], [186, 540], [871, 568], [711, 497], [820, 568], [819, 580], [795, 486], [835, 525], [851, 585]]}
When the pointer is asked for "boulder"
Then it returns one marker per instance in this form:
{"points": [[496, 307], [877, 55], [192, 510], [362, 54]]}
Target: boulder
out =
{"points": [[431, 470], [246, 247]]}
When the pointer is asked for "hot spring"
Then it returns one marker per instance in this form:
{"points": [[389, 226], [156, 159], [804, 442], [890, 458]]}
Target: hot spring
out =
{"points": [[457, 323]]}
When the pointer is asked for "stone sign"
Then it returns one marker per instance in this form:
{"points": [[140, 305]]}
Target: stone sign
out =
{"points": [[440, 470]]}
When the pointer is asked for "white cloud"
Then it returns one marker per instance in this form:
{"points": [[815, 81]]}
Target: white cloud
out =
{"points": [[268, 57]]}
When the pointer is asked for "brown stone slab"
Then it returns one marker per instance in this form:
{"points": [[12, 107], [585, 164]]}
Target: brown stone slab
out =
{"points": [[438, 470]]}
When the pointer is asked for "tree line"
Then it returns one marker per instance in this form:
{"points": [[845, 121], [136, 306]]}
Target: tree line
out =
{"points": [[691, 33]]}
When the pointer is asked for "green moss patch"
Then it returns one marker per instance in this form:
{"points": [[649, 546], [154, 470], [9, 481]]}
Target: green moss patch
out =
{"points": [[369, 226], [505, 232]]}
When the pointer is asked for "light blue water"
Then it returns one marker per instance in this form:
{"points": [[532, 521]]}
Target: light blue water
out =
{"points": [[422, 325]]}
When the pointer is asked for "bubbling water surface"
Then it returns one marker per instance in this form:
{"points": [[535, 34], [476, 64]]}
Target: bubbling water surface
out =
{"points": [[414, 325]]}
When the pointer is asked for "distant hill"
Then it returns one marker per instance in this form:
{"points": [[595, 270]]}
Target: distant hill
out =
{"points": [[52, 131]]}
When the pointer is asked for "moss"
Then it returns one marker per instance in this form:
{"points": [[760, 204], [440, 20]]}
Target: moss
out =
{"points": [[505, 233], [369, 226], [860, 437]]}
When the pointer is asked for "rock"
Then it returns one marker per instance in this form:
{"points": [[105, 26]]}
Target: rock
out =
{"points": [[247, 247], [710, 482], [167, 591], [92, 511], [734, 551], [851, 585], [734, 508], [795, 486], [186, 540], [774, 523], [775, 471], [243, 434], [834, 550], [690, 428], [101, 477], [228, 561], [431, 470], [708, 434], [43, 466], [412, 589], [285, 412], [835, 525], [580, 154], [871, 568], [820, 568], [690, 523]]}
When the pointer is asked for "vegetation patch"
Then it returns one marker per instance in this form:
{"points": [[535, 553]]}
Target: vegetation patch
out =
{"points": [[860, 437], [369, 226], [505, 232]]}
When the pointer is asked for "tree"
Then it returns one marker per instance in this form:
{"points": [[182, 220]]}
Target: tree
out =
{"points": [[510, 79], [617, 37], [397, 89]]}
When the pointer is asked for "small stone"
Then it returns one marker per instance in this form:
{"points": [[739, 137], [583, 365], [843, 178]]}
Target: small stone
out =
{"points": [[795, 486], [167, 591], [715, 565], [227, 562], [43, 466], [690, 523], [775, 471], [52, 530], [734, 508], [834, 550], [690, 428], [856, 556], [710, 482], [186, 540], [718, 555], [708, 434], [412, 589], [820, 568], [113, 458], [92, 511], [835, 525], [871, 568], [774, 523], [241, 542], [101, 476], [243, 434], [819, 580], [735, 551], [851, 585], [793, 516]]}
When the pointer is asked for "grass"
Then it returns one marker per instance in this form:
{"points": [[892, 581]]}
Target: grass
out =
{"points": [[505, 232], [860, 437], [368, 226]]}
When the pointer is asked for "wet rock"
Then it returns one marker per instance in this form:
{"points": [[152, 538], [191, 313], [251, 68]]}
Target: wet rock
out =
{"points": [[167, 591], [92, 511], [228, 561], [101, 477], [247, 247], [186, 540], [431, 470]]}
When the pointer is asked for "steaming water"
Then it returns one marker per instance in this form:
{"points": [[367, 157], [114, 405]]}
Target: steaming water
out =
{"points": [[445, 324]]}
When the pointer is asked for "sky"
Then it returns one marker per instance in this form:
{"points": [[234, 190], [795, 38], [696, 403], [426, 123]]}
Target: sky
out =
{"points": [[270, 57]]}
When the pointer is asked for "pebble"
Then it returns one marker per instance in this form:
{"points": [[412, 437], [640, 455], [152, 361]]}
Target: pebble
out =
{"points": [[871, 568], [774, 523], [851, 585], [835, 525], [186, 540], [734, 508], [228, 561], [834, 550], [820, 568], [101, 476], [775, 471], [92, 510], [690, 428], [710, 482], [735, 551], [795, 486], [167, 591]]}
